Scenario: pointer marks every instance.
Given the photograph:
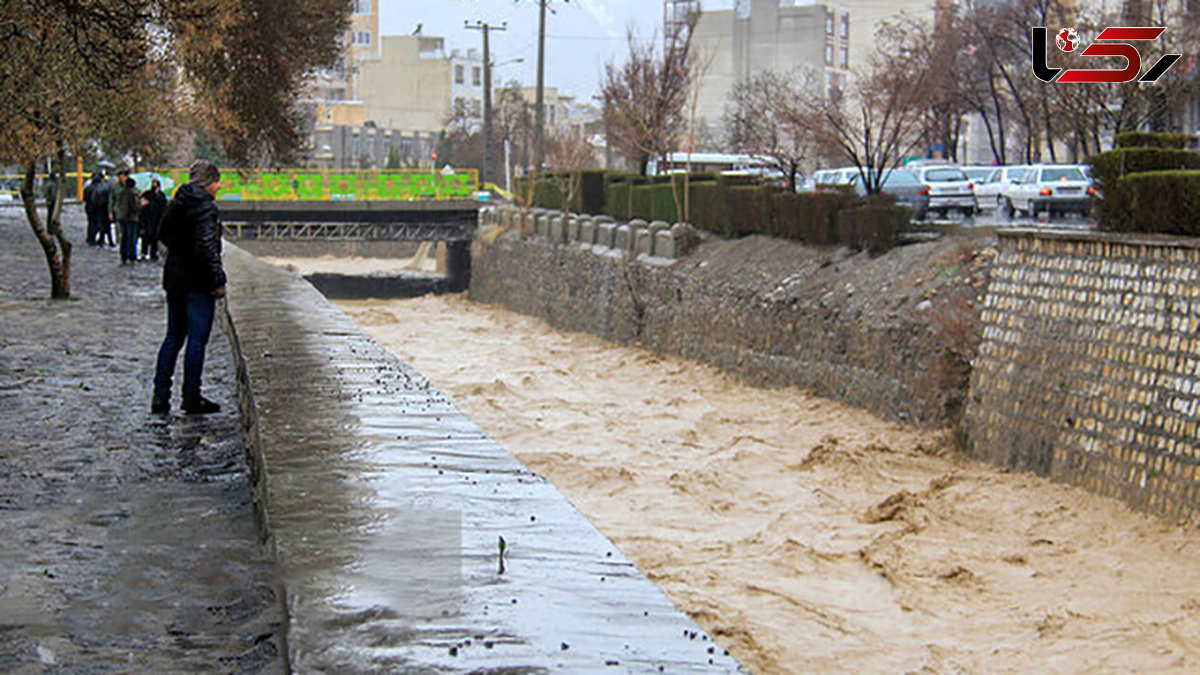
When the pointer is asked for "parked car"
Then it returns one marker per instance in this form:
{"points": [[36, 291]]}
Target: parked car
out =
{"points": [[900, 184], [832, 179], [992, 183], [987, 181], [948, 189], [1050, 189]]}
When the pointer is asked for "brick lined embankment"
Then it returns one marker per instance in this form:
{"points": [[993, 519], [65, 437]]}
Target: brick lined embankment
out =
{"points": [[1089, 371], [130, 541]]}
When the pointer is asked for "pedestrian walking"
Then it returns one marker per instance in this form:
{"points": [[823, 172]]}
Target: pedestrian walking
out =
{"points": [[193, 279], [124, 208], [94, 210], [50, 192], [154, 204]]}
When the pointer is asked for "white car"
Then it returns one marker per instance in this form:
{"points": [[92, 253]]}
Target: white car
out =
{"points": [[992, 183], [1051, 188], [833, 178], [947, 189]]}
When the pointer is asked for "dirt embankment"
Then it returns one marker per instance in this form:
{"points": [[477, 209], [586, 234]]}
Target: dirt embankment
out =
{"points": [[807, 535]]}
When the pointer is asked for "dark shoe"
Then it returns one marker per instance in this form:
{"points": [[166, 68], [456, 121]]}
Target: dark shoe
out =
{"points": [[160, 406], [200, 406]]}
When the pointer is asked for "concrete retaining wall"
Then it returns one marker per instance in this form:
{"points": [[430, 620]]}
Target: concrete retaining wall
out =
{"points": [[629, 299], [1089, 371]]}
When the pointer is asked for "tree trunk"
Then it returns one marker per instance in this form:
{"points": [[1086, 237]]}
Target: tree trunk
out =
{"points": [[60, 282]]}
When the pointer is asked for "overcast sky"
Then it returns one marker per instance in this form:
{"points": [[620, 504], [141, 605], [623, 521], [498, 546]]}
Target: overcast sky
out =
{"points": [[582, 35]]}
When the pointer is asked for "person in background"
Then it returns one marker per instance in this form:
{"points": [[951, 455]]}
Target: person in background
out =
{"points": [[104, 207], [50, 192], [193, 278], [124, 209], [95, 211], [154, 204]]}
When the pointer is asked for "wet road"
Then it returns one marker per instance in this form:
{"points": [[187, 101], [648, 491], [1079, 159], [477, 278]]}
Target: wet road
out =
{"points": [[129, 540]]}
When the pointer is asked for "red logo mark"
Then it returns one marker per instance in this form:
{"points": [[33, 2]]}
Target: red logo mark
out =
{"points": [[1119, 36]]}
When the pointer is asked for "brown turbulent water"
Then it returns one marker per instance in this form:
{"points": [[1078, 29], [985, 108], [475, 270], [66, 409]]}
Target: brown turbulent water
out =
{"points": [[806, 535]]}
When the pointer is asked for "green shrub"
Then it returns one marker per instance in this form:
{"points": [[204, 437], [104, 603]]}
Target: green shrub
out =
{"points": [[877, 223], [1144, 139], [617, 199], [737, 180], [708, 205], [750, 210], [810, 217], [1112, 206], [591, 191], [1166, 202], [548, 194], [640, 202]]}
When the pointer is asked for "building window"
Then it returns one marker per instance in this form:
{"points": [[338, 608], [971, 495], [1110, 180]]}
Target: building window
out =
{"points": [[362, 37], [829, 55], [846, 26], [829, 23], [844, 57], [475, 76], [458, 75], [362, 6]]}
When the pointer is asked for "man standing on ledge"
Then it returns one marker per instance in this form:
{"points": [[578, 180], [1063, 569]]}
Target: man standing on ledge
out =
{"points": [[194, 279]]}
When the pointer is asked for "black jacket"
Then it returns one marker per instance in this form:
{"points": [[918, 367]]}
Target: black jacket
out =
{"points": [[191, 230], [152, 212]]}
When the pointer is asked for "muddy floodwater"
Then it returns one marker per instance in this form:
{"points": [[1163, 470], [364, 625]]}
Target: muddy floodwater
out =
{"points": [[803, 534]]}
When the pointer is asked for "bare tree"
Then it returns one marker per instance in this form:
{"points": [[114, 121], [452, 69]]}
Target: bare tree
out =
{"points": [[763, 119], [876, 118], [513, 124], [569, 151], [644, 99]]}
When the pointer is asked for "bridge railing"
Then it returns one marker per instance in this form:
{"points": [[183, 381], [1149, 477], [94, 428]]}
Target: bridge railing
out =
{"points": [[336, 185]]}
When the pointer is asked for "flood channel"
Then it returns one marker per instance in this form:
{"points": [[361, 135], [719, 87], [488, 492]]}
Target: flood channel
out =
{"points": [[805, 535]]}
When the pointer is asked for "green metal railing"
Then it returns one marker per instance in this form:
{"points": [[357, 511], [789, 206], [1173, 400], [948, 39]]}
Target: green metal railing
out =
{"points": [[311, 185], [338, 185]]}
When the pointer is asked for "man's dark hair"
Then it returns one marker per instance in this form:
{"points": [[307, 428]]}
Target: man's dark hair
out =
{"points": [[203, 173], [123, 172]]}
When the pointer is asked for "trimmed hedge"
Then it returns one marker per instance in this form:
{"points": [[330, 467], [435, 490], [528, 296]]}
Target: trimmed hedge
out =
{"points": [[1145, 139], [810, 217], [1112, 206], [1166, 202], [708, 207], [730, 206], [591, 191], [750, 210]]}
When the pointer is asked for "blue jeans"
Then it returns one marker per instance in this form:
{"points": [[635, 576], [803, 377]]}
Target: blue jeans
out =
{"points": [[190, 320], [129, 239]]}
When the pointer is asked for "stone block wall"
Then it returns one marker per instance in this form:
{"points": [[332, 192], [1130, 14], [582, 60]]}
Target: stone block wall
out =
{"points": [[1089, 369], [681, 310], [638, 237]]}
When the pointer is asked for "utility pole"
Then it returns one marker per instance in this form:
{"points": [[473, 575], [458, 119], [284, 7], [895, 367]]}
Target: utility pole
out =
{"points": [[485, 172], [540, 120]]}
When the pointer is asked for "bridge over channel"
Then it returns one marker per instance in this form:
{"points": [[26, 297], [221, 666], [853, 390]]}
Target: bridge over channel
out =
{"points": [[451, 222]]}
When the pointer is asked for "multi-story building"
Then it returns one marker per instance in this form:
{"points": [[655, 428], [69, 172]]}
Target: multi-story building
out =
{"points": [[731, 46], [467, 87]]}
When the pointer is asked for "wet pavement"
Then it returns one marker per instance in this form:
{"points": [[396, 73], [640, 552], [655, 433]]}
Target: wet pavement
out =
{"points": [[412, 542], [129, 539]]}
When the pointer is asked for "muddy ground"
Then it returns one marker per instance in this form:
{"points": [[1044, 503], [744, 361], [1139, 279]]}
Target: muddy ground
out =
{"points": [[129, 539], [804, 534]]}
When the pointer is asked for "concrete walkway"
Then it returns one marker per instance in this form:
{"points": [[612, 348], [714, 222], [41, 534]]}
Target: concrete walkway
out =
{"points": [[409, 540], [129, 541]]}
